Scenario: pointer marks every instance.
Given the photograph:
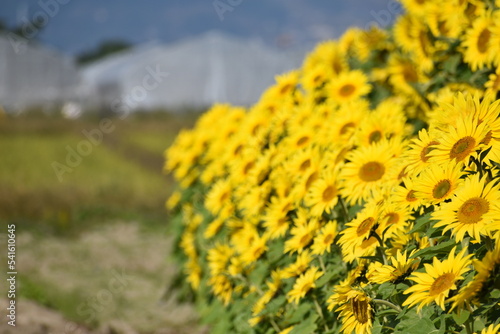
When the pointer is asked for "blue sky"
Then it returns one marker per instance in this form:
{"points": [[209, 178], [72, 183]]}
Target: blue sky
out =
{"points": [[77, 25]]}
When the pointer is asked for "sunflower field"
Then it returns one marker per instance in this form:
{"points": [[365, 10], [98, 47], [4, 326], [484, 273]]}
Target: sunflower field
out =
{"points": [[361, 193]]}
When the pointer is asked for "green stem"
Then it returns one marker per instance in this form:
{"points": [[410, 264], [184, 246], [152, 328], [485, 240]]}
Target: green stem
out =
{"points": [[388, 304], [489, 244], [320, 312], [344, 208], [275, 325], [380, 249], [321, 263], [468, 327]]}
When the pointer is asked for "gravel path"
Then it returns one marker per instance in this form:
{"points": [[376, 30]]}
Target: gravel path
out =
{"points": [[113, 278]]}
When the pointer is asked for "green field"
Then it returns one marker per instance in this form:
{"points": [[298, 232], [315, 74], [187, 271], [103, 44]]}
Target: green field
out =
{"points": [[43, 183], [102, 213]]}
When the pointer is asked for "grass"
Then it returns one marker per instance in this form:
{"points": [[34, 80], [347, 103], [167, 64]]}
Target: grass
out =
{"points": [[105, 215], [120, 179]]}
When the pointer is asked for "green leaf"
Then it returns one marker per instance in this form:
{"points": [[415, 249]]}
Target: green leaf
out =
{"points": [[385, 290], [274, 305], [299, 314], [495, 294], [420, 223], [330, 272], [308, 326], [461, 317], [275, 251], [260, 272], [430, 252], [451, 64], [416, 325]]}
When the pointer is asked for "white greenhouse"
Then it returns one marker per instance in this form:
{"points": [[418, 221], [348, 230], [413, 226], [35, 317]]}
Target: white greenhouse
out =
{"points": [[195, 72], [34, 75]]}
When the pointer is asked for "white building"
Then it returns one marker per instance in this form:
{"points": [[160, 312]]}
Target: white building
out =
{"points": [[194, 72], [34, 75]]}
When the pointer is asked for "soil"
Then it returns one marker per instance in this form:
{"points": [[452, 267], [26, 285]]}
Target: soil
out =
{"points": [[113, 278]]}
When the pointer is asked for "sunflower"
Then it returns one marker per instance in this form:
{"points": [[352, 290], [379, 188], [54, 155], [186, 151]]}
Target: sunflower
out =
{"points": [[493, 84], [346, 120], [356, 312], [386, 121], [404, 75], [193, 271], [366, 171], [254, 250], [323, 194], [276, 220], [303, 284], [439, 278], [480, 50], [418, 154], [325, 238], [285, 84], [491, 329], [360, 228], [348, 87], [299, 266], [301, 161], [418, 8], [393, 219], [366, 248], [273, 285], [460, 142], [437, 183], [302, 233], [487, 269], [474, 210], [401, 265], [221, 287]]}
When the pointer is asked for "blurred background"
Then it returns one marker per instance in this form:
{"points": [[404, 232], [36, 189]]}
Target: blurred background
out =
{"points": [[91, 94]]}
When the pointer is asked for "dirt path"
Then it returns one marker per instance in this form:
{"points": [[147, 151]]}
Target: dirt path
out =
{"points": [[111, 279]]}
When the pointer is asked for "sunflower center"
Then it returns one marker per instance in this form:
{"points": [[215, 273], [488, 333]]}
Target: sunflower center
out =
{"points": [[410, 197], [255, 129], [424, 154], [441, 189], [375, 136], [368, 243], [238, 149], [306, 238], [409, 74], [472, 210], [347, 90], [313, 177], [365, 226], [247, 167], [392, 218], [305, 165], [346, 128], [442, 283], [224, 197], [462, 148], [258, 252], [285, 88], [483, 40], [496, 83], [328, 239], [329, 193], [371, 171], [302, 140], [360, 310], [486, 140]]}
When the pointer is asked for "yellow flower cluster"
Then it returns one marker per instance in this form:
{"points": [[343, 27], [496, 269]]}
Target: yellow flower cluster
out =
{"points": [[362, 187]]}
